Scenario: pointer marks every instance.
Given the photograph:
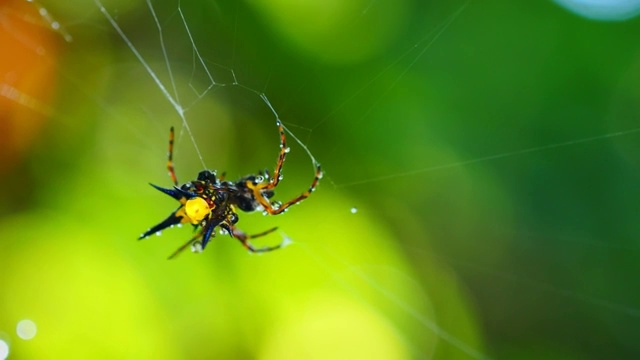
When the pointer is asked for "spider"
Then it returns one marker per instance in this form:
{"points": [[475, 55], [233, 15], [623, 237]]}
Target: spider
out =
{"points": [[210, 201]]}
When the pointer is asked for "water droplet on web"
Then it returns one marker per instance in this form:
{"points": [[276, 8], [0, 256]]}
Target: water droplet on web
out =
{"points": [[354, 210], [286, 241]]}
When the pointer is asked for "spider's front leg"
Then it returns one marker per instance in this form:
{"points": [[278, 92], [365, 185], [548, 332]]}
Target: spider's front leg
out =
{"points": [[262, 192], [282, 155]]}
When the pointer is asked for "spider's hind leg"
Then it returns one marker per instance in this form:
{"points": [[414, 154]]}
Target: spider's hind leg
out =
{"points": [[244, 239]]}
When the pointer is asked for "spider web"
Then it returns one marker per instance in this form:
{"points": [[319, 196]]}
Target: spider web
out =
{"points": [[173, 95], [431, 235]]}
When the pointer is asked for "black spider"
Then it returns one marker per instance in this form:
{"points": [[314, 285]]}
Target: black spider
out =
{"points": [[210, 201]]}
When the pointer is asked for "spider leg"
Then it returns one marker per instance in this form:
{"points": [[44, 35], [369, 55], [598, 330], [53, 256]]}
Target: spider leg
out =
{"points": [[206, 233], [260, 189], [244, 239], [185, 245], [284, 150], [172, 171]]}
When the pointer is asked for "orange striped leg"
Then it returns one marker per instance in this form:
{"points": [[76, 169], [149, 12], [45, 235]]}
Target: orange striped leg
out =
{"points": [[244, 239], [172, 171], [268, 206]]}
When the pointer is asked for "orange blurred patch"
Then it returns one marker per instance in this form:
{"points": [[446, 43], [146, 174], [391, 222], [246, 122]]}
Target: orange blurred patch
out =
{"points": [[28, 64]]}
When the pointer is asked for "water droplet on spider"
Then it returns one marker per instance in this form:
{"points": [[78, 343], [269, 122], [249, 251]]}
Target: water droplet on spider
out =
{"points": [[259, 179], [354, 210], [196, 247], [179, 225], [287, 149], [265, 213], [158, 233]]}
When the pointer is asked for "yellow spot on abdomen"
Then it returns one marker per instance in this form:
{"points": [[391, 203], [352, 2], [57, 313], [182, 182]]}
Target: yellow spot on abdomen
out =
{"points": [[197, 209]]}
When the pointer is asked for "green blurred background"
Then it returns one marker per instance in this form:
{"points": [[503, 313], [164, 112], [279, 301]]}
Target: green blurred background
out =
{"points": [[480, 198]]}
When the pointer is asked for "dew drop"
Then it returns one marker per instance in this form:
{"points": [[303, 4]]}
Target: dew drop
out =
{"points": [[286, 150], [158, 233], [286, 241], [354, 210], [196, 247]]}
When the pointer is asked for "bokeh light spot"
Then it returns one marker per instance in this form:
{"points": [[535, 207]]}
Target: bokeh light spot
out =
{"points": [[606, 10], [26, 329], [4, 350], [327, 30]]}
